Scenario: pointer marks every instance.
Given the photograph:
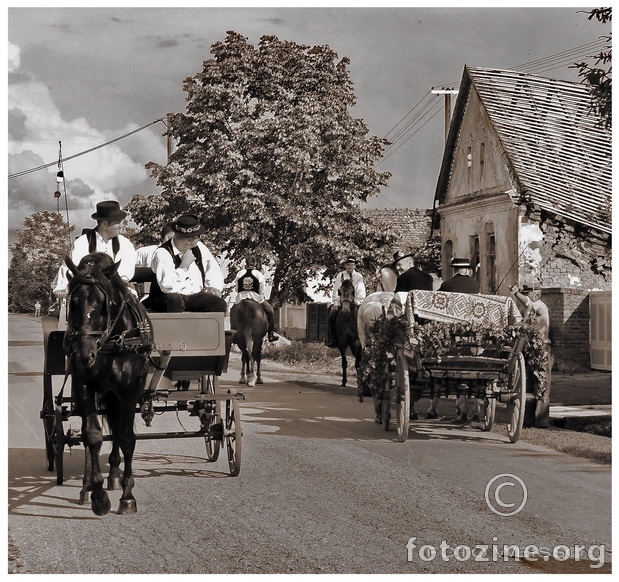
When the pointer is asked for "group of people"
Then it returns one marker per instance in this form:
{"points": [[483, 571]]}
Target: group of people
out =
{"points": [[186, 275]]}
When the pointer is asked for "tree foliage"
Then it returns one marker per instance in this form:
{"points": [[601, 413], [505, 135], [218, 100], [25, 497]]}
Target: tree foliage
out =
{"points": [[270, 156], [37, 253], [599, 74]]}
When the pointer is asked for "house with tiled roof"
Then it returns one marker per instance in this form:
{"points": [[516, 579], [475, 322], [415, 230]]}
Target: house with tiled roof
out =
{"points": [[524, 190]]}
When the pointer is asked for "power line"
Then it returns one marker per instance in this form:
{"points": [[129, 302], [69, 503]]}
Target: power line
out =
{"points": [[24, 172]]}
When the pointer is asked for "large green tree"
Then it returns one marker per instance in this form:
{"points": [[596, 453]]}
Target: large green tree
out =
{"points": [[37, 253], [270, 156]]}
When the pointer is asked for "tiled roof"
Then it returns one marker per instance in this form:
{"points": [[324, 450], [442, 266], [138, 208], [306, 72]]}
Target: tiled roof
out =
{"points": [[559, 153], [411, 226]]}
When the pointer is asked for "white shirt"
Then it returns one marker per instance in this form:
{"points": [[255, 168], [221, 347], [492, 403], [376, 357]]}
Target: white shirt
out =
{"points": [[144, 255], [126, 255], [186, 280], [259, 297], [358, 283]]}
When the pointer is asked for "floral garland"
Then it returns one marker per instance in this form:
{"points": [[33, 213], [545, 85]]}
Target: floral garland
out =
{"points": [[435, 340]]}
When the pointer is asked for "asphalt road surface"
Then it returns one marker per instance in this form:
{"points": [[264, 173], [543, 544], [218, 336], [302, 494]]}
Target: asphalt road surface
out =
{"points": [[322, 489]]}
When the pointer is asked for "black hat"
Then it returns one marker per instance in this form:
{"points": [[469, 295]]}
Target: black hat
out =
{"points": [[109, 210], [460, 263], [399, 255], [188, 225], [526, 289]]}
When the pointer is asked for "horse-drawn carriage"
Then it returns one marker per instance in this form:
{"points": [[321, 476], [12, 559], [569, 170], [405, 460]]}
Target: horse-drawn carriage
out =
{"points": [[149, 362], [452, 344]]}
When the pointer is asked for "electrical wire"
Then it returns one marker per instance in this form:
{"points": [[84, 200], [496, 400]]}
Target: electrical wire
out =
{"points": [[24, 172]]}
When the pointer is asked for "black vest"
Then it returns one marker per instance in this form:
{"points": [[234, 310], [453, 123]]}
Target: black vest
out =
{"points": [[155, 290], [248, 282], [91, 236]]}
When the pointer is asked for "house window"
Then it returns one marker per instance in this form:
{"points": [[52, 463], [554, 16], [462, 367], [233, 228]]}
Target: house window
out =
{"points": [[448, 253], [474, 243], [482, 151], [491, 264]]}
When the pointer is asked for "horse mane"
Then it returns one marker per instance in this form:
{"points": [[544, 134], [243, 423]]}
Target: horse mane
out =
{"points": [[99, 267]]}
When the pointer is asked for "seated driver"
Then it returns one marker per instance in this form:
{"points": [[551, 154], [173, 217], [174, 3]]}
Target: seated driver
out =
{"points": [[249, 284]]}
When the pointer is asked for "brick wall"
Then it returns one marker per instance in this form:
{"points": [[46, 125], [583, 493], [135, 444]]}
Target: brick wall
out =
{"points": [[569, 327], [574, 256]]}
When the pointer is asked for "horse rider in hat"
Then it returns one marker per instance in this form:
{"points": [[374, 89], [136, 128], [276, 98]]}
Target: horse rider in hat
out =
{"points": [[409, 276], [104, 238], [187, 275], [461, 282], [356, 278], [250, 284]]}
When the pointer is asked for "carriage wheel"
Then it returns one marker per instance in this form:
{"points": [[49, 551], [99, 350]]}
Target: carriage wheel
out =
{"points": [[489, 412], [47, 414], [58, 439], [403, 396], [516, 404], [213, 444], [385, 403], [232, 434]]}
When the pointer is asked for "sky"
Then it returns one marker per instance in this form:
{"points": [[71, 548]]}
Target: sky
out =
{"points": [[79, 77]]}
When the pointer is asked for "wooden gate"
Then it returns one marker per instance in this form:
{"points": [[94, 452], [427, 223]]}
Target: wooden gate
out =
{"points": [[600, 329]]}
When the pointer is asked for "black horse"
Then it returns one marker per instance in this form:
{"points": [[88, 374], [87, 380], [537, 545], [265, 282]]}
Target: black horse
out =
{"points": [[250, 322], [107, 342], [346, 331]]}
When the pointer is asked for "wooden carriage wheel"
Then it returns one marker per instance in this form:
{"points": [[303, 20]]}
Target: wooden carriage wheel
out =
{"points": [[403, 395], [232, 435], [516, 403], [212, 418]]}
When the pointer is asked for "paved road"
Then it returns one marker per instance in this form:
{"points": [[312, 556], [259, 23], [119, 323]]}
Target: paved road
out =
{"points": [[322, 489]]}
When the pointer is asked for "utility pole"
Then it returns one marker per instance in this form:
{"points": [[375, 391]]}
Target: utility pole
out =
{"points": [[448, 93]]}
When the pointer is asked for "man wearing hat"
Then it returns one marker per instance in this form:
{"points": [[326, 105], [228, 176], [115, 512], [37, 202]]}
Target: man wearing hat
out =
{"points": [[104, 238], [250, 284], [187, 275], [356, 278], [461, 282], [409, 276]]}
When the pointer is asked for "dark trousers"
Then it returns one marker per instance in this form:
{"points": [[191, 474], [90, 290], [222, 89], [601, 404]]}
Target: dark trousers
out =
{"points": [[270, 313], [177, 303]]}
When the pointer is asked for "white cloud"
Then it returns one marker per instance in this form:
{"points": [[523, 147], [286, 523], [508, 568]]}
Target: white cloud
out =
{"points": [[36, 131]]}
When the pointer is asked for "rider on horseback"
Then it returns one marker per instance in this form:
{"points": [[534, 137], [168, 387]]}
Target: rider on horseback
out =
{"points": [[250, 285], [356, 279]]}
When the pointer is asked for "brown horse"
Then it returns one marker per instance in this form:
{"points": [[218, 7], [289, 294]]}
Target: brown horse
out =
{"points": [[250, 322], [107, 342], [346, 334]]}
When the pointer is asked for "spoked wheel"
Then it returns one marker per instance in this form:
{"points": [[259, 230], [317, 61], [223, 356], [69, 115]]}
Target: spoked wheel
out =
{"points": [[211, 418], [489, 412], [403, 396], [48, 416], [232, 435], [58, 440], [516, 404], [385, 404]]}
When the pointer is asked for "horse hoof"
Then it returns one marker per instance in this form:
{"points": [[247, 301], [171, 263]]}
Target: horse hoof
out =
{"points": [[101, 506], [127, 506], [259, 381], [431, 415], [242, 381], [251, 383], [413, 416], [84, 496], [114, 483]]}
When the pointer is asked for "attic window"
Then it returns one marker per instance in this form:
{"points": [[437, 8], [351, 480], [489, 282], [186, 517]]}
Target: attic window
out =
{"points": [[482, 151]]}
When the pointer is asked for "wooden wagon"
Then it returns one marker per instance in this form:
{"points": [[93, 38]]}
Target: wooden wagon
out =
{"points": [[188, 347]]}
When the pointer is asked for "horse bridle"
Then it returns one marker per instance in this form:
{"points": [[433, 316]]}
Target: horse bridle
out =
{"points": [[118, 342]]}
